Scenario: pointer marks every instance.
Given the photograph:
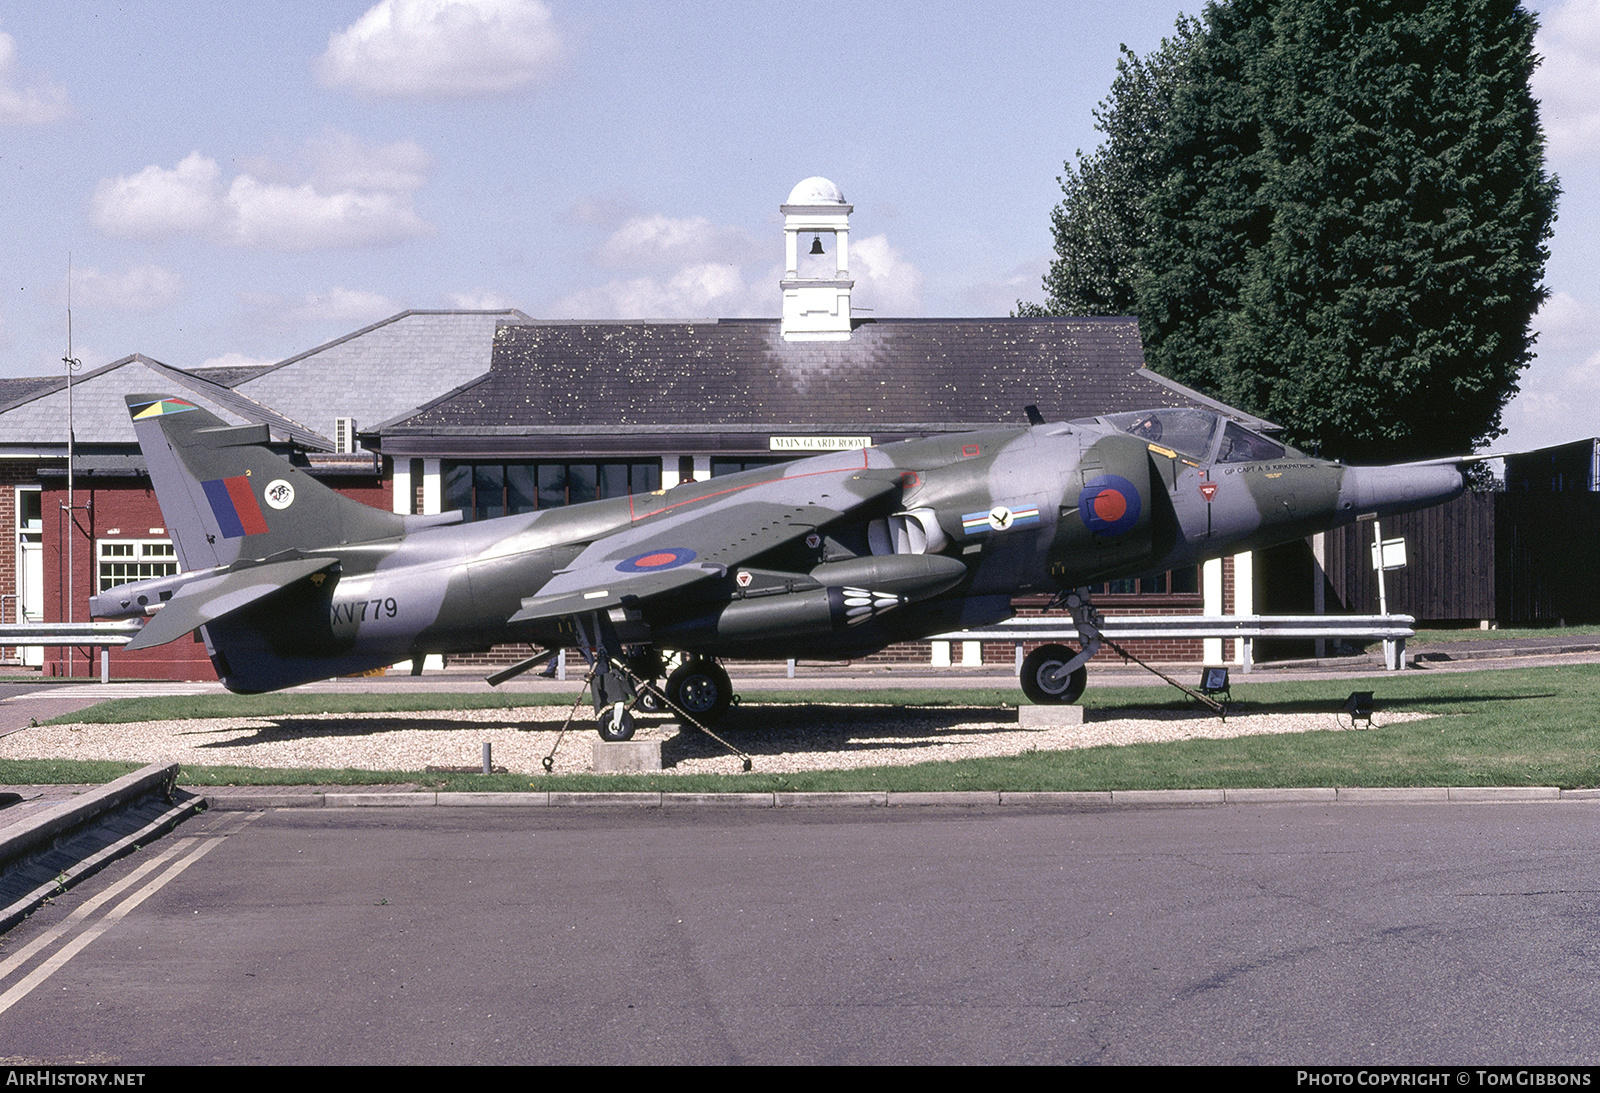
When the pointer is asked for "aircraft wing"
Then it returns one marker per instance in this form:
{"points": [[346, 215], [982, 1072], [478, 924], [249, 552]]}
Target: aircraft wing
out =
{"points": [[702, 538]]}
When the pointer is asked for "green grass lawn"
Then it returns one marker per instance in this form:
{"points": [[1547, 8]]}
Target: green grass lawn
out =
{"points": [[1526, 727], [1473, 633]]}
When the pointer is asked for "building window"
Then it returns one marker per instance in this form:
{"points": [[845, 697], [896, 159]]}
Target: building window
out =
{"points": [[125, 560], [483, 491], [721, 466], [1177, 582]]}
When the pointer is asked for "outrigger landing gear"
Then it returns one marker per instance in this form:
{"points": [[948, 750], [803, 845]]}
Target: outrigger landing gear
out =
{"points": [[1054, 674]]}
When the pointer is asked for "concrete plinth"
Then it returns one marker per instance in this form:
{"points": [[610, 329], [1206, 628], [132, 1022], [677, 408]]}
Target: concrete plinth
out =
{"points": [[611, 758], [1048, 717]]}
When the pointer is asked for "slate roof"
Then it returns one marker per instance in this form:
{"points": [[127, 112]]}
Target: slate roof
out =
{"points": [[230, 375], [100, 416], [385, 369], [14, 389], [893, 377]]}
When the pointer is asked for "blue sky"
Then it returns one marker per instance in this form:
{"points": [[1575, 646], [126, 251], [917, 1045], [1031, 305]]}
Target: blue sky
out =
{"points": [[240, 183]]}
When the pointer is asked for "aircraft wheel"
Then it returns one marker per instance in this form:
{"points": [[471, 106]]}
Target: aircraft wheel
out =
{"points": [[701, 689], [650, 702], [1040, 665], [614, 725]]}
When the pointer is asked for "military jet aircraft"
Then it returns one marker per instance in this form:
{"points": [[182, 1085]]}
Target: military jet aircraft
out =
{"points": [[836, 555]]}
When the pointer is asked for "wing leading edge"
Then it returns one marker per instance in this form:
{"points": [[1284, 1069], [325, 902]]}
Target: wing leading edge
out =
{"points": [[704, 537]]}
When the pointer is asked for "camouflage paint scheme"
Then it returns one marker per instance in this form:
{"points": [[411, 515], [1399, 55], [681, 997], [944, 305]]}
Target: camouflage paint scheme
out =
{"points": [[835, 555]]}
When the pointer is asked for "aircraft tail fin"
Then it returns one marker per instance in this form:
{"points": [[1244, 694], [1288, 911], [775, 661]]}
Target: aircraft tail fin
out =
{"points": [[226, 496]]}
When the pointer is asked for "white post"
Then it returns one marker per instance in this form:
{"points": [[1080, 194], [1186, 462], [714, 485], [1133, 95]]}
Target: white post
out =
{"points": [[1319, 586], [1211, 590], [1390, 661], [402, 486], [432, 489], [1244, 602]]}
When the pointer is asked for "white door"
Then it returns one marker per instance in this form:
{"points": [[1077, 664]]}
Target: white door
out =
{"points": [[30, 567]]}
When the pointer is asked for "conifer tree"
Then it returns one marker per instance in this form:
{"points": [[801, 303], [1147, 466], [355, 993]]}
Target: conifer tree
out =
{"points": [[1333, 215]]}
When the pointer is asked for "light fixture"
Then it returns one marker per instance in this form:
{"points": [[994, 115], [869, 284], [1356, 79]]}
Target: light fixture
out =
{"points": [[1359, 707]]}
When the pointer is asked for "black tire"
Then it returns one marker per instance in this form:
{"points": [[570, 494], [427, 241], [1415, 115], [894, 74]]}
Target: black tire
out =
{"points": [[1040, 665], [614, 725], [702, 690], [650, 701]]}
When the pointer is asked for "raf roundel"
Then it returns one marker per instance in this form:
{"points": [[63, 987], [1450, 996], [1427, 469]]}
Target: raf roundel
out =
{"points": [[1109, 505], [660, 558]]}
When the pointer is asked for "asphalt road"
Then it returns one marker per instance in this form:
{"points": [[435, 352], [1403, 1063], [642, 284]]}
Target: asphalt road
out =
{"points": [[1296, 934]]}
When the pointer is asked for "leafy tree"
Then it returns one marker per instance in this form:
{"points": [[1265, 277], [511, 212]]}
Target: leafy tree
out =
{"points": [[1330, 214]]}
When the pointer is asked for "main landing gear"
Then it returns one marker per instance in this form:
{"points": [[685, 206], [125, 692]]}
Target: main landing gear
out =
{"points": [[701, 689], [623, 680], [698, 688]]}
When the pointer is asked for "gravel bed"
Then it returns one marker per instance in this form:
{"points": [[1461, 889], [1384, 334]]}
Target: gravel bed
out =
{"points": [[780, 739]]}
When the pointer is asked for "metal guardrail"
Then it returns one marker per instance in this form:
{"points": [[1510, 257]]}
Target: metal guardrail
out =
{"points": [[1392, 630], [103, 634], [68, 633]]}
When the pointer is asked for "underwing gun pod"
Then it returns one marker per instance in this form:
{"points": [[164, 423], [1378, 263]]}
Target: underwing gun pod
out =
{"points": [[837, 555]]}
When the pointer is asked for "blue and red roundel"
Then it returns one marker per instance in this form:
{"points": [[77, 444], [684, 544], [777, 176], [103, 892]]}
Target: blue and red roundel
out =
{"points": [[659, 558], [1109, 505]]}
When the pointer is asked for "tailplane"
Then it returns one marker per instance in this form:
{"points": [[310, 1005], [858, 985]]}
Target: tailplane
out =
{"points": [[227, 497]]}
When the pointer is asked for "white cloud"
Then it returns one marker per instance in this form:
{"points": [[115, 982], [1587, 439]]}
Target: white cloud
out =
{"points": [[658, 238], [157, 203], [1565, 324], [885, 281], [479, 299], [699, 268], [34, 104], [304, 218], [704, 269], [1567, 82], [344, 305], [1000, 296], [1562, 386], [138, 288], [357, 196], [443, 48], [705, 289], [341, 162]]}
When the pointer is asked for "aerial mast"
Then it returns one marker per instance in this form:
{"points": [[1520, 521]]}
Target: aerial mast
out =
{"points": [[72, 365]]}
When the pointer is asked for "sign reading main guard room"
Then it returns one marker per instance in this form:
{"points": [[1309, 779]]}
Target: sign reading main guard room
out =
{"points": [[817, 443]]}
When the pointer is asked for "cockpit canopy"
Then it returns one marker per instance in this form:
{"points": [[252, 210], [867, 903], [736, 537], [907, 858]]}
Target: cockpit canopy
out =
{"points": [[1195, 435]]}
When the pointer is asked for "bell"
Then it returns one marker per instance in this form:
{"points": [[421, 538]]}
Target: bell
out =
{"points": [[816, 244]]}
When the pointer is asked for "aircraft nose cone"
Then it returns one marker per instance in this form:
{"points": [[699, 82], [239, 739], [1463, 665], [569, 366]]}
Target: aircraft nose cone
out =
{"points": [[1386, 490]]}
